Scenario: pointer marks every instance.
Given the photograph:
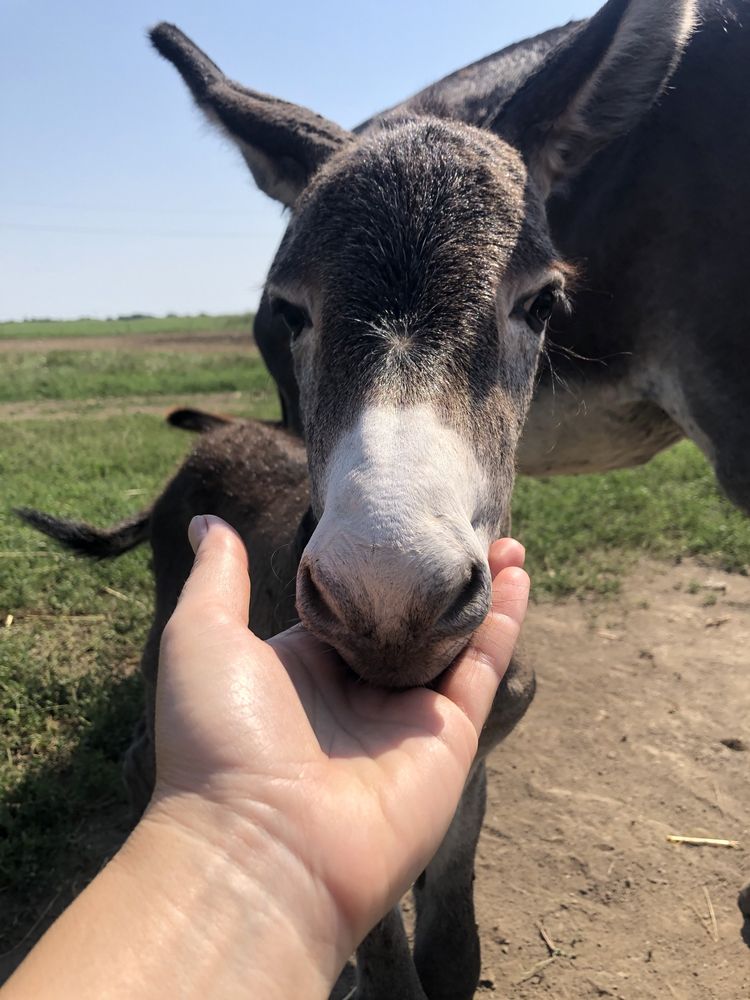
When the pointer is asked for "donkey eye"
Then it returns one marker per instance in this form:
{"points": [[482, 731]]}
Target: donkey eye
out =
{"points": [[537, 311], [295, 318]]}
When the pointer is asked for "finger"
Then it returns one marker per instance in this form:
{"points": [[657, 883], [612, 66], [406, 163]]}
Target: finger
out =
{"points": [[219, 576], [474, 679], [505, 552]]}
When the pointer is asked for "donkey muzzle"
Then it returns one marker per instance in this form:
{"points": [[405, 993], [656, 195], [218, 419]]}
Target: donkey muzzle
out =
{"points": [[398, 620]]}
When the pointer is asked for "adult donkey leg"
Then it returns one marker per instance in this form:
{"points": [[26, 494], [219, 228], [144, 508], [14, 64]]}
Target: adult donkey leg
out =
{"points": [[446, 948], [708, 398]]}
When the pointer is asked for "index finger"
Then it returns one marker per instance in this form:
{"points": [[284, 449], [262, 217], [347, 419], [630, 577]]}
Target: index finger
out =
{"points": [[219, 576]]}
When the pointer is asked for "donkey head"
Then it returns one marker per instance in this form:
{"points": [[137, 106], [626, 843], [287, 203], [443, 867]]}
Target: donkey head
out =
{"points": [[416, 279]]}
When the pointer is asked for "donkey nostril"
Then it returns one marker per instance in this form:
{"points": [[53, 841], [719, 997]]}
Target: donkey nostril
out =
{"points": [[470, 607], [312, 604]]}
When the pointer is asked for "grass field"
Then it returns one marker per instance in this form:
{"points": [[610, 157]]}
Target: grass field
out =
{"points": [[148, 325], [104, 374], [68, 660], [583, 532]]}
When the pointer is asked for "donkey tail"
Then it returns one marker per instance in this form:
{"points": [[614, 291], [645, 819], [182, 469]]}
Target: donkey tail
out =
{"points": [[97, 543], [197, 420]]}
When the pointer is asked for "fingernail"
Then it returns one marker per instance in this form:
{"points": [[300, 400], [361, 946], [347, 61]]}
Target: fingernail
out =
{"points": [[197, 530]]}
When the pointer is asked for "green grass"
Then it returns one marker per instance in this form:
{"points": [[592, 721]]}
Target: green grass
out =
{"points": [[68, 694], [61, 374], [29, 329], [582, 532], [98, 470]]}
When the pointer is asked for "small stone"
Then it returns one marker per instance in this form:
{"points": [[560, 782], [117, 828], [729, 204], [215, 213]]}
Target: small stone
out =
{"points": [[734, 743]]}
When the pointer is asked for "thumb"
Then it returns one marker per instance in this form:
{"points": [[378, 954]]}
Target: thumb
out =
{"points": [[219, 576]]}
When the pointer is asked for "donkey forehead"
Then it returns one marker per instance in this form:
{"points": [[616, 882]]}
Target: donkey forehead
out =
{"points": [[431, 197]]}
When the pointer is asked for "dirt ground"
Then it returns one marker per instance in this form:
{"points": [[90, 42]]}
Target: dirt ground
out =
{"points": [[639, 730], [622, 748]]}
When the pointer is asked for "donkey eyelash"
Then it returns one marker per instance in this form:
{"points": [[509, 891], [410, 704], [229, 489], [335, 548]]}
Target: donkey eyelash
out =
{"points": [[536, 310], [555, 290]]}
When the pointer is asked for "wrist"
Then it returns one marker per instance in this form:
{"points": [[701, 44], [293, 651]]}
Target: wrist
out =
{"points": [[238, 905]]}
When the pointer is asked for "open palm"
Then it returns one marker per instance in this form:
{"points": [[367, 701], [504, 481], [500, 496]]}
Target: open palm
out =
{"points": [[348, 788]]}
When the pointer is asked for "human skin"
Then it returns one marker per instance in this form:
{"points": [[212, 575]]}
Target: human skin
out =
{"points": [[294, 805]]}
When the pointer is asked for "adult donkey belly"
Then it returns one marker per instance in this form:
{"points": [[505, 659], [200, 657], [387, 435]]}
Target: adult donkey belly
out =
{"points": [[590, 427]]}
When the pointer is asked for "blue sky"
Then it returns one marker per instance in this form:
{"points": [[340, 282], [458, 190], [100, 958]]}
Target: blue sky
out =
{"points": [[116, 198]]}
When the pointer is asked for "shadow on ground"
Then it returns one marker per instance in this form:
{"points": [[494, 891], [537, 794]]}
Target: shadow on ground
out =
{"points": [[62, 822]]}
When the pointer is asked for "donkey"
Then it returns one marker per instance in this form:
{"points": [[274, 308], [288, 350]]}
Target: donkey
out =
{"points": [[658, 222], [416, 280]]}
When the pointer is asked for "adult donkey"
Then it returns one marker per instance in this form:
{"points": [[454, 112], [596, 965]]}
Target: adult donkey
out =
{"points": [[659, 224], [416, 280]]}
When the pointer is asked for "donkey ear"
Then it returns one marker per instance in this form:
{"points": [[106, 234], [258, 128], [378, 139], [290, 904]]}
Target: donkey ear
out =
{"points": [[596, 85], [283, 144]]}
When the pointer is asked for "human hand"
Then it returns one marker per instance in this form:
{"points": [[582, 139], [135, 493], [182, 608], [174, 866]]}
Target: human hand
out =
{"points": [[333, 795]]}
